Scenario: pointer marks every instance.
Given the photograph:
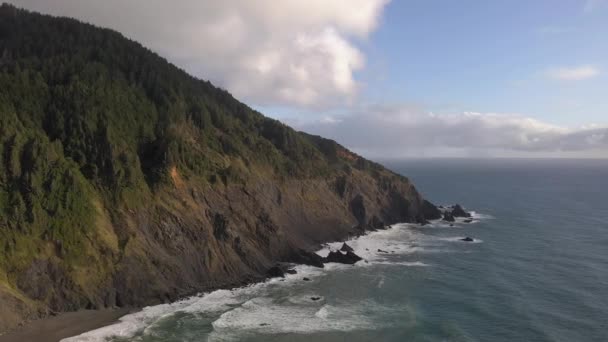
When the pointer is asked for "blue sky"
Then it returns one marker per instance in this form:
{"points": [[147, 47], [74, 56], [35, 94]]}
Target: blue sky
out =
{"points": [[393, 78], [491, 56]]}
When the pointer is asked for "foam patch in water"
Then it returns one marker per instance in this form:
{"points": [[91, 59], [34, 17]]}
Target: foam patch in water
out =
{"points": [[270, 316], [253, 309]]}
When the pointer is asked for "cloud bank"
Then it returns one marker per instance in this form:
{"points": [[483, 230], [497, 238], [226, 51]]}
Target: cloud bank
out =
{"points": [[287, 52], [411, 132], [573, 73]]}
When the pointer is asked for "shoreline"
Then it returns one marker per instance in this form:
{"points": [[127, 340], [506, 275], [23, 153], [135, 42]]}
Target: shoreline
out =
{"points": [[64, 325], [71, 324]]}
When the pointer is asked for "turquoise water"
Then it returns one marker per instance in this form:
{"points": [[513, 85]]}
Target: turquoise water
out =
{"points": [[538, 270]]}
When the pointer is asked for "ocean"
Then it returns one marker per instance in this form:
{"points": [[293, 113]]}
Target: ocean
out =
{"points": [[536, 271]]}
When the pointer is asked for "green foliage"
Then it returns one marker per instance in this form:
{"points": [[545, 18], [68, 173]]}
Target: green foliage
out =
{"points": [[88, 116]]}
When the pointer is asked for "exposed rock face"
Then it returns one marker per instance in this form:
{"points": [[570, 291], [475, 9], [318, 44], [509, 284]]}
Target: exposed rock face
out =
{"points": [[275, 272], [346, 248], [448, 217], [179, 190], [303, 257], [342, 258], [458, 211], [430, 211]]}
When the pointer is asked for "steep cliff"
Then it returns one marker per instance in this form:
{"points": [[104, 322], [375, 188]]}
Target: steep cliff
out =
{"points": [[125, 181]]}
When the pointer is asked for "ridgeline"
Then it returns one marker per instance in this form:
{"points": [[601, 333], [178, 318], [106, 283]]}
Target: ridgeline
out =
{"points": [[124, 181]]}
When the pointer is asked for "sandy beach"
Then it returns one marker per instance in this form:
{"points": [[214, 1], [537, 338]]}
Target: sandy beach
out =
{"points": [[68, 324]]}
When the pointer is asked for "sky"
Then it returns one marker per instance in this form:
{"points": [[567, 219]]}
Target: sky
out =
{"points": [[393, 78]]}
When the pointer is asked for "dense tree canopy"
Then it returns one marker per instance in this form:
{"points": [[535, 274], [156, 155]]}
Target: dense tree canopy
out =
{"points": [[87, 115]]}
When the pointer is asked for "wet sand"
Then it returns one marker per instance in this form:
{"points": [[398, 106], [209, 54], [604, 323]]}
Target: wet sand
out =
{"points": [[68, 324]]}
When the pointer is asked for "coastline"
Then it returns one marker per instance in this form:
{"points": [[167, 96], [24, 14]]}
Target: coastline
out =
{"points": [[68, 324], [71, 324]]}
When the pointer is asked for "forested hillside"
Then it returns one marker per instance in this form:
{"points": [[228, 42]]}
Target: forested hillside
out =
{"points": [[126, 181]]}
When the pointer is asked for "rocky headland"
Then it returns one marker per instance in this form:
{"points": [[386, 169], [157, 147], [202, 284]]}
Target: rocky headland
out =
{"points": [[126, 182]]}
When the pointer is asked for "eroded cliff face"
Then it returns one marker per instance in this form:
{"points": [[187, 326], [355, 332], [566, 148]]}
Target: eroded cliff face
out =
{"points": [[191, 238], [125, 181]]}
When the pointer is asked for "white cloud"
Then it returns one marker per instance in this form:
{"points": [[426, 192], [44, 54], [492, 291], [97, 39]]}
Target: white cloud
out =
{"points": [[573, 73], [266, 52], [409, 131]]}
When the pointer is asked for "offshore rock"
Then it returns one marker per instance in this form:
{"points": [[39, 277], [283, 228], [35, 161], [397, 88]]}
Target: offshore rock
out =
{"points": [[458, 211], [346, 248], [349, 258], [448, 217]]}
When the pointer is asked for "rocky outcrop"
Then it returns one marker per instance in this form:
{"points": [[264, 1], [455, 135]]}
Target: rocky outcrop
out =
{"points": [[346, 248], [275, 272], [458, 211], [448, 217], [172, 189], [430, 211], [449, 214], [303, 257], [342, 258]]}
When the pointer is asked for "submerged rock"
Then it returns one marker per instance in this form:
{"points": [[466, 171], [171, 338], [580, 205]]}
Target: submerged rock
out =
{"points": [[342, 258], [315, 298], [468, 220], [291, 271], [306, 279], [467, 239]]}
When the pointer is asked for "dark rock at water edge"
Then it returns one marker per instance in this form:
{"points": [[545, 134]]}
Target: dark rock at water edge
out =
{"points": [[342, 258], [448, 217], [275, 272], [304, 257], [346, 248], [467, 239], [164, 214], [458, 211], [430, 211]]}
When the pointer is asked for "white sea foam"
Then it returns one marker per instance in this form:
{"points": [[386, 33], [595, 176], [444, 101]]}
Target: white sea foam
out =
{"points": [[270, 316], [253, 309], [479, 216], [128, 325], [214, 302], [381, 282]]}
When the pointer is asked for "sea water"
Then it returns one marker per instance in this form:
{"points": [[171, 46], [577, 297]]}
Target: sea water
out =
{"points": [[537, 270]]}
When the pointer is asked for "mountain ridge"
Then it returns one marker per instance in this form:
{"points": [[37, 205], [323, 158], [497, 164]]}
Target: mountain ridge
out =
{"points": [[124, 181]]}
